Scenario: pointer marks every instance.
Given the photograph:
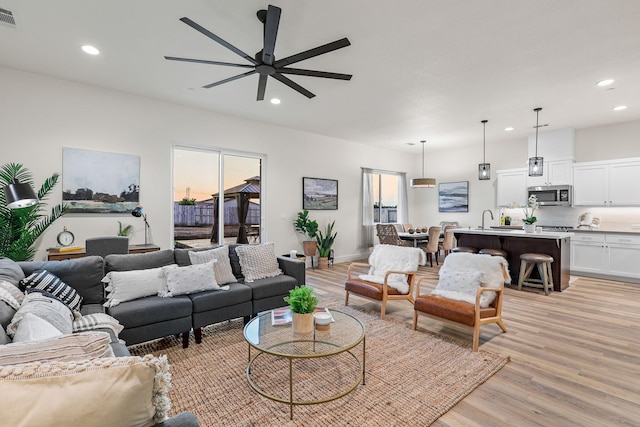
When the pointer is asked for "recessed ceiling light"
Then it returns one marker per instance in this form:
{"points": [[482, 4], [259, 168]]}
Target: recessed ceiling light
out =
{"points": [[605, 82], [275, 101], [90, 50], [620, 108], [508, 129]]}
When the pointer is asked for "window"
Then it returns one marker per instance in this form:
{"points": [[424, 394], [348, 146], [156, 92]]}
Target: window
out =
{"points": [[199, 177], [385, 198]]}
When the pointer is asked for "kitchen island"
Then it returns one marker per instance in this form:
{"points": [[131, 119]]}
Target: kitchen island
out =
{"points": [[518, 242]]}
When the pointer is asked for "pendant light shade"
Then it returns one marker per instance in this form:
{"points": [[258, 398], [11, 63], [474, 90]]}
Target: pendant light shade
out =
{"points": [[484, 168], [536, 163], [423, 182], [18, 195]]}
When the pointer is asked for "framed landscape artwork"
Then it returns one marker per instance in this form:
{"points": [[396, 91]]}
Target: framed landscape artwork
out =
{"points": [[453, 196], [99, 182], [318, 193]]}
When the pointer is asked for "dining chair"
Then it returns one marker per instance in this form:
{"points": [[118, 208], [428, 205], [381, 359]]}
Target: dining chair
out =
{"points": [[445, 244], [431, 248], [407, 226], [388, 235]]}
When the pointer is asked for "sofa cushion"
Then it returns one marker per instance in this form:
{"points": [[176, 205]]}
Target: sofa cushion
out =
{"points": [[221, 268], [142, 261], [211, 300], [189, 279], [150, 310], [117, 391], [49, 309], [33, 328], [49, 282], [10, 271], [64, 348], [235, 262], [258, 261], [128, 285], [272, 286], [82, 274]]}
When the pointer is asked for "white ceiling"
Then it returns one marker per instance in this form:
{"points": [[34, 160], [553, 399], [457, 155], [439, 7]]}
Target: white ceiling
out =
{"points": [[422, 69]]}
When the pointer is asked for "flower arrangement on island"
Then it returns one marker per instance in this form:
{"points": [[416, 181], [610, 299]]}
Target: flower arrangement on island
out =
{"points": [[533, 205]]}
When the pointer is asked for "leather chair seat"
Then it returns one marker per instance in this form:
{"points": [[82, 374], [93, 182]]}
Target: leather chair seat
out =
{"points": [[457, 311], [368, 289]]}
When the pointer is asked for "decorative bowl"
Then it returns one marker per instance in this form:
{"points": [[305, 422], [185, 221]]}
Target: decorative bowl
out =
{"points": [[322, 318], [411, 231]]}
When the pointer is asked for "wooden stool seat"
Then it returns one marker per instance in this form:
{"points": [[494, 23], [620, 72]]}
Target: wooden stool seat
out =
{"points": [[493, 252], [527, 263], [465, 249]]}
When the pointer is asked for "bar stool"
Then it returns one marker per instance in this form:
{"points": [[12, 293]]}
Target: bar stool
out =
{"points": [[527, 262], [493, 252], [465, 249]]}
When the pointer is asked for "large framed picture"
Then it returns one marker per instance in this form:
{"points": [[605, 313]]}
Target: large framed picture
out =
{"points": [[453, 196], [99, 182], [319, 194]]}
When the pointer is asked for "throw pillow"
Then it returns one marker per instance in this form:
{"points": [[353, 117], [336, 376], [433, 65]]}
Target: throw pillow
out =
{"points": [[51, 310], [10, 300], [115, 391], [91, 322], [46, 281], [222, 267], [33, 328], [258, 261], [64, 348], [190, 279], [10, 271], [462, 285], [4, 338], [129, 285]]}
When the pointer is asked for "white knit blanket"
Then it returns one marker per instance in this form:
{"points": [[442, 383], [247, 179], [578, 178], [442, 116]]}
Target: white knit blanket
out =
{"points": [[399, 258], [11, 294]]}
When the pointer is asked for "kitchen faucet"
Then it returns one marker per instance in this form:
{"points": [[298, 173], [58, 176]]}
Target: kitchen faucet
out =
{"points": [[483, 212]]}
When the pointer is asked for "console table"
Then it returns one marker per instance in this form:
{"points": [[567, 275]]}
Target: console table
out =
{"points": [[54, 254]]}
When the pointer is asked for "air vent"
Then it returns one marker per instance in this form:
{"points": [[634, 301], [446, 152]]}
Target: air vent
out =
{"points": [[6, 17]]}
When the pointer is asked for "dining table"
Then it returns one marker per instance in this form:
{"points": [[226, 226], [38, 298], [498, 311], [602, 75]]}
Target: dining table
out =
{"points": [[416, 237]]}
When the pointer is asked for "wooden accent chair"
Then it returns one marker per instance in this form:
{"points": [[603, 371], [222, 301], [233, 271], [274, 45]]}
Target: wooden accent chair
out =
{"points": [[388, 235], [390, 275], [469, 292], [431, 248]]}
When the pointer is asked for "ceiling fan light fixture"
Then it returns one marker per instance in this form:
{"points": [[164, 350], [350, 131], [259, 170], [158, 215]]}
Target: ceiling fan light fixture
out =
{"points": [[423, 182], [484, 168], [536, 164]]}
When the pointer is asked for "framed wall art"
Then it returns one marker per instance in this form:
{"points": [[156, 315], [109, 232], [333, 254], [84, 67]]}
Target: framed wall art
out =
{"points": [[99, 182], [319, 194], [453, 196]]}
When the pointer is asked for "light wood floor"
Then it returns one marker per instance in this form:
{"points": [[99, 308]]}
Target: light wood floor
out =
{"points": [[575, 355]]}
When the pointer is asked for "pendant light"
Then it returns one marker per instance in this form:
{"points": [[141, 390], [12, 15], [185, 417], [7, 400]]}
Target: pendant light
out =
{"points": [[484, 168], [423, 182], [536, 163], [19, 195]]}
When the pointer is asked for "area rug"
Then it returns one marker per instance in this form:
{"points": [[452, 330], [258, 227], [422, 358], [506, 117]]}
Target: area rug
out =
{"points": [[412, 378]]}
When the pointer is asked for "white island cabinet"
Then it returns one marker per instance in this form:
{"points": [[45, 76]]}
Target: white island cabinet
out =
{"points": [[606, 255]]}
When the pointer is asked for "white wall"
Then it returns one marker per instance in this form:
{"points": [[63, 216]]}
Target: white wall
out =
{"points": [[40, 115]]}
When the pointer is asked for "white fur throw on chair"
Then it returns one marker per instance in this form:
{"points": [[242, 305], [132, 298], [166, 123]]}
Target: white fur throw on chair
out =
{"points": [[463, 273], [399, 258]]}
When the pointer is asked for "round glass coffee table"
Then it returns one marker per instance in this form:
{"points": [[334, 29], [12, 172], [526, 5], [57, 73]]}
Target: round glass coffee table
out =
{"points": [[280, 341]]}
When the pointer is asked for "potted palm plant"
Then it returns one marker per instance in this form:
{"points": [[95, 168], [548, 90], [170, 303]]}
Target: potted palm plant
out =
{"points": [[21, 228], [324, 242], [302, 303], [308, 228]]}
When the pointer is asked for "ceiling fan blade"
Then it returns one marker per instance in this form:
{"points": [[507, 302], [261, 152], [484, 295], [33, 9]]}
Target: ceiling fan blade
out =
{"points": [[230, 79], [202, 61], [212, 36], [313, 73], [329, 47], [262, 87], [293, 85], [270, 33]]}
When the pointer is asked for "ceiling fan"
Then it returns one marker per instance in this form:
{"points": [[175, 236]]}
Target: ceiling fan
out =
{"points": [[264, 63]]}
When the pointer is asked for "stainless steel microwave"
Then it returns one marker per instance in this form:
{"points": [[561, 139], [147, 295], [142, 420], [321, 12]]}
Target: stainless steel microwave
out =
{"points": [[552, 195]]}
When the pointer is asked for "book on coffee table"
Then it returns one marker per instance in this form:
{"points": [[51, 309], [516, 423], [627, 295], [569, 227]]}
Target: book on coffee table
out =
{"points": [[281, 316]]}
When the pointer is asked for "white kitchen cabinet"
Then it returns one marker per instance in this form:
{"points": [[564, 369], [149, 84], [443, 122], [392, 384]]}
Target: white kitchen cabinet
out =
{"points": [[555, 172], [512, 186], [611, 183], [606, 254]]}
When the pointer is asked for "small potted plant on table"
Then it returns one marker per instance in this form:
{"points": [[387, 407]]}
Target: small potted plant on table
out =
{"points": [[302, 303]]}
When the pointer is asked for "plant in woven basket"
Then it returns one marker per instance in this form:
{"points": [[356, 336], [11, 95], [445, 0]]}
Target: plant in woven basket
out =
{"points": [[301, 300], [20, 228]]}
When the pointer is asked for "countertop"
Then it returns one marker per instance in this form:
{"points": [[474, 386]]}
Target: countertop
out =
{"points": [[514, 233]]}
